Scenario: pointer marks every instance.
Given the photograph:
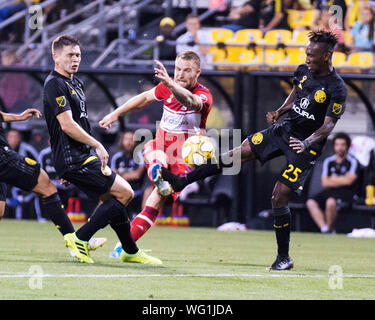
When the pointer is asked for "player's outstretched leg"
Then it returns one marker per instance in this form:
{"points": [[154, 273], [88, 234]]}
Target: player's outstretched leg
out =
{"points": [[209, 169]]}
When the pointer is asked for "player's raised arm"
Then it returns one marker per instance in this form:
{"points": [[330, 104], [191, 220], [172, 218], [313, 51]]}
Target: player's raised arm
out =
{"points": [[28, 113], [185, 77], [273, 116], [139, 101]]}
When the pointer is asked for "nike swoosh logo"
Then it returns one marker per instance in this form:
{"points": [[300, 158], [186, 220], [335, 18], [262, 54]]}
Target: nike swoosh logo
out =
{"points": [[140, 227]]}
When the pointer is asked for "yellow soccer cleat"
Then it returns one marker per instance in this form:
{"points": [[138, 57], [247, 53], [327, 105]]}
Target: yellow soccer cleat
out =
{"points": [[78, 247], [139, 257]]}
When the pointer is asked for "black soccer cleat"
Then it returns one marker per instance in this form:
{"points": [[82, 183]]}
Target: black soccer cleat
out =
{"points": [[177, 183], [282, 263]]}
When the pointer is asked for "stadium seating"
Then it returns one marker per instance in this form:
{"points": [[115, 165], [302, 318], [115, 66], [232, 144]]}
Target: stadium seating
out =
{"points": [[221, 34], [276, 36], [300, 18], [338, 59]]}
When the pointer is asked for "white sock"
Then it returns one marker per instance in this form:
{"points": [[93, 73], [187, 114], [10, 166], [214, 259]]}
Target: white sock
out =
{"points": [[324, 228]]}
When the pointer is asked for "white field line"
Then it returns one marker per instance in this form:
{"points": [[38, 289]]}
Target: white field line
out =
{"points": [[201, 275]]}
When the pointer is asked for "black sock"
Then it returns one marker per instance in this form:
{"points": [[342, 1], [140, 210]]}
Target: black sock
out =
{"points": [[282, 219], [53, 209], [121, 225], [101, 217], [199, 173]]}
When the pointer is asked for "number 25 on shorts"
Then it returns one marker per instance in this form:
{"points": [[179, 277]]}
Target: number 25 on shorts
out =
{"points": [[291, 173]]}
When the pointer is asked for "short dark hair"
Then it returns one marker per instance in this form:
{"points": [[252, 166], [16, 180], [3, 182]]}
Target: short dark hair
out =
{"points": [[326, 37], [344, 136], [63, 41]]}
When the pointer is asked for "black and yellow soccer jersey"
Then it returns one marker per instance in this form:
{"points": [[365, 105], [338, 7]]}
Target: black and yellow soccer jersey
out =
{"points": [[61, 94], [316, 98]]}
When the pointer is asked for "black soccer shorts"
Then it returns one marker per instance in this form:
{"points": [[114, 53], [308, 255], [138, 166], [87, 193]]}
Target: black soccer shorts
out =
{"points": [[90, 179], [274, 142], [342, 193], [18, 171]]}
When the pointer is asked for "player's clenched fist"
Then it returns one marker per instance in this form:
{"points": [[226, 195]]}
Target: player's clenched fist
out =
{"points": [[272, 117], [107, 121]]}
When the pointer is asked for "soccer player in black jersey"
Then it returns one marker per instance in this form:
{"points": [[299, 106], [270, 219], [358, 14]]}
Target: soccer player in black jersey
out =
{"points": [[81, 159], [26, 174], [313, 107]]}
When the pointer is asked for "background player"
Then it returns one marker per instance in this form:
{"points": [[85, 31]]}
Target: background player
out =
{"points": [[186, 107], [82, 160], [314, 105]]}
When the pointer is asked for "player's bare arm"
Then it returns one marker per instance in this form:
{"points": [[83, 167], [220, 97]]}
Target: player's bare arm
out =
{"points": [[320, 134], [28, 113], [273, 116], [73, 130], [139, 101], [183, 95]]}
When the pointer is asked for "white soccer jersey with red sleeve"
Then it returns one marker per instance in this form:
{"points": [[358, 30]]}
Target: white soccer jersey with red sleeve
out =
{"points": [[179, 119]]}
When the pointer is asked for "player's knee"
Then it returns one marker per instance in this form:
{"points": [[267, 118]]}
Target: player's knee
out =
{"points": [[126, 195], [331, 202], [278, 200], [310, 203]]}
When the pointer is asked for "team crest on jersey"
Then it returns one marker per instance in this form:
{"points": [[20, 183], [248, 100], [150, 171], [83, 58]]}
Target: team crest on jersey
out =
{"points": [[336, 108], [257, 138], [320, 96], [204, 98], [169, 100], [61, 101]]}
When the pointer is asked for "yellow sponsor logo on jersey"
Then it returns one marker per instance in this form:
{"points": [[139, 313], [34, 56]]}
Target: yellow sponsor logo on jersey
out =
{"points": [[30, 161], [61, 101], [320, 96], [336, 108], [257, 138]]}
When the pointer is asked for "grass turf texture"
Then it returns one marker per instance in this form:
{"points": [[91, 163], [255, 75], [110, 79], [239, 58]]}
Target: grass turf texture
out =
{"points": [[199, 263]]}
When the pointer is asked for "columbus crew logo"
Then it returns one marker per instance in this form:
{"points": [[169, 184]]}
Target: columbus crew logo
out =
{"points": [[257, 138], [320, 96]]}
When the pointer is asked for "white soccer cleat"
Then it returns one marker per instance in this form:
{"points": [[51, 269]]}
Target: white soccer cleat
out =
{"points": [[95, 243], [163, 186]]}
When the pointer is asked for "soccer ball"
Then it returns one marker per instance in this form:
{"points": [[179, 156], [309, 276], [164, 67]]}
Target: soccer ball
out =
{"points": [[197, 150]]}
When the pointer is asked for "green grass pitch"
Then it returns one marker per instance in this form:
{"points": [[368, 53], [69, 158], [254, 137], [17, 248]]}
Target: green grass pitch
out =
{"points": [[198, 263]]}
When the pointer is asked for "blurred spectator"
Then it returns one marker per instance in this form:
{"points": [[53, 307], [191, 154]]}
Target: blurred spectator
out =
{"points": [[128, 163], [339, 175], [166, 51], [192, 39], [15, 88], [245, 16], [13, 32], [273, 16], [321, 6], [326, 23], [8, 11], [21, 198], [363, 30]]}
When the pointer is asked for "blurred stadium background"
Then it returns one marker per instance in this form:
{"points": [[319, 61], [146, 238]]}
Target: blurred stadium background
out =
{"points": [[248, 71]]}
